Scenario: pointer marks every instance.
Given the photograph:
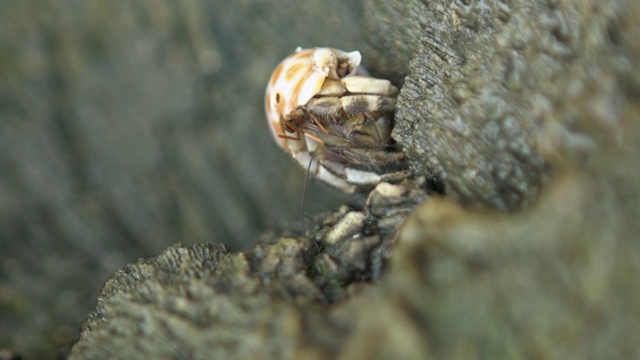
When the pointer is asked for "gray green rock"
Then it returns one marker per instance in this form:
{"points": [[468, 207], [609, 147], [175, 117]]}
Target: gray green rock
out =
{"points": [[129, 128]]}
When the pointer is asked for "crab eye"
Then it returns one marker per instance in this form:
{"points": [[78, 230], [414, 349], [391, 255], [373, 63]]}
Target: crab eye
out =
{"points": [[343, 69], [277, 98]]}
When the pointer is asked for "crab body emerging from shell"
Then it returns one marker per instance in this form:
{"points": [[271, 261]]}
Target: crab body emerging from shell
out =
{"points": [[327, 112]]}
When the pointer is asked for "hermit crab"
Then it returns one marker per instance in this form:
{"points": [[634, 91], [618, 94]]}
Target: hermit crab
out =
{"points": [[325, 110]]}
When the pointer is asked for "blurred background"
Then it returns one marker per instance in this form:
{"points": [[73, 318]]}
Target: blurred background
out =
{"points": [[128, 126]]}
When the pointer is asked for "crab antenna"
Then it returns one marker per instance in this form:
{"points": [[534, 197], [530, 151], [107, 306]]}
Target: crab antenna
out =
{"points": [[304, 192]]}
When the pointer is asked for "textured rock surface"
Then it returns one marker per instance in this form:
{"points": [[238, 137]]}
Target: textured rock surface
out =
{"points": [[556, 281], [515, 91], [202, 302]]}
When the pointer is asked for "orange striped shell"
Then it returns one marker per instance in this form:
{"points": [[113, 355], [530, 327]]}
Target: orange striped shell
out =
{"points": [[334, 119], [296, 80]]}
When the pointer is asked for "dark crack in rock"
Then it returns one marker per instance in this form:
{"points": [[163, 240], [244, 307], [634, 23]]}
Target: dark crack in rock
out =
{"points": [[202, 302], [394, 29]]}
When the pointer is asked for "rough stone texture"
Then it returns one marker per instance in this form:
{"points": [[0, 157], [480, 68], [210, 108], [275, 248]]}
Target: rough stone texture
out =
{"points": [[554, 282], [201, 302], [557, 280], [497, 76], [502, 94]]}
